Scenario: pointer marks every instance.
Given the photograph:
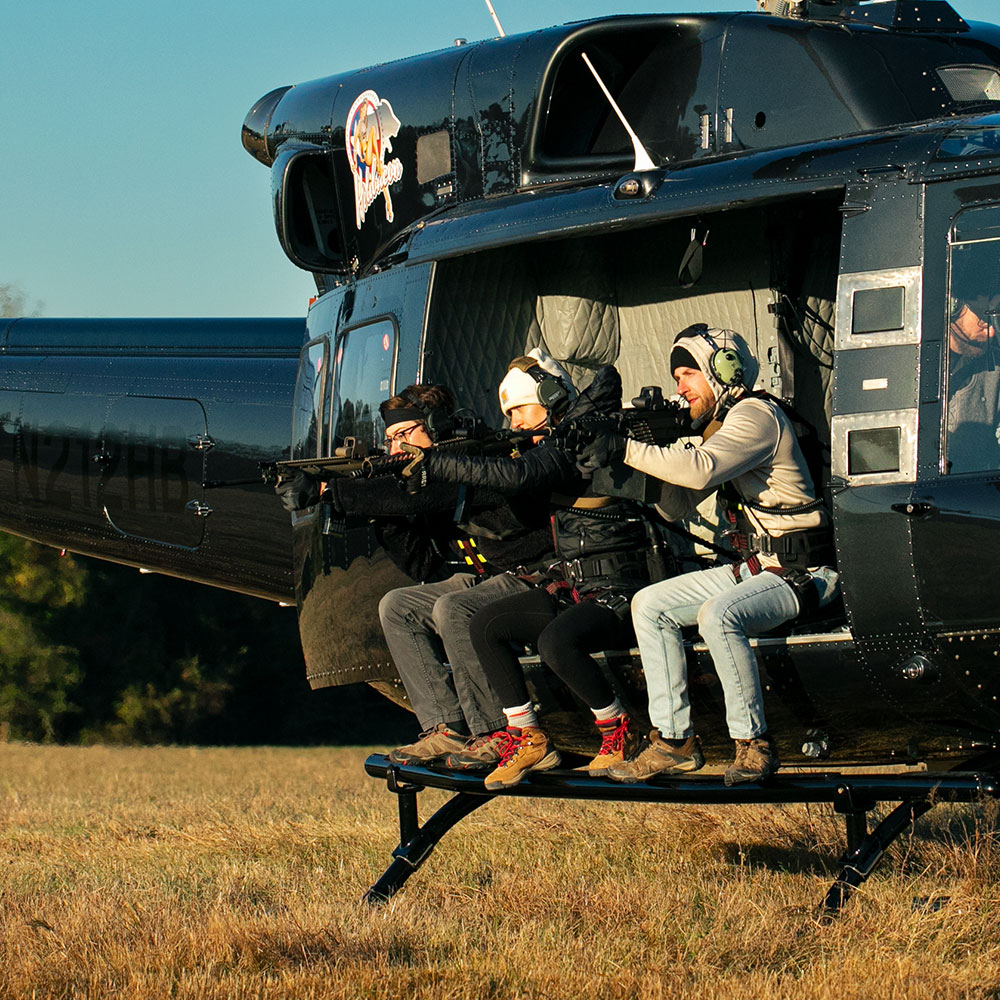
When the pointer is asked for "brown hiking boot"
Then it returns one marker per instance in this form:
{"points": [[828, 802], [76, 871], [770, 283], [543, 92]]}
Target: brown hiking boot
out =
{"points": [[659, 758], [614, 732], [431, 746], [481, 753], [524, 751], [756, 760]]}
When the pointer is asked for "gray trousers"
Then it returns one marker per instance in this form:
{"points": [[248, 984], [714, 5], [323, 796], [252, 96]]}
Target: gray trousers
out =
{"points": [[427, 630]]}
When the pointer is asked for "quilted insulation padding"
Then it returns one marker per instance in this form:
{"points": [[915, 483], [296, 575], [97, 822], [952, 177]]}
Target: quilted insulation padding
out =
{"points": [[733, 293], [576, 306], [615, 300], [492, 307], [483, 314]]}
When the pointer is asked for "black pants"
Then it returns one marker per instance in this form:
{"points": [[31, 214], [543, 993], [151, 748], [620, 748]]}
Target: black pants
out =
{"points": [[564, 637]]}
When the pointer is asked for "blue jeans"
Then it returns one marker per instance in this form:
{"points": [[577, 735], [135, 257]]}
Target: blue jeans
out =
{"points": [[726, 611], [427, 631]]}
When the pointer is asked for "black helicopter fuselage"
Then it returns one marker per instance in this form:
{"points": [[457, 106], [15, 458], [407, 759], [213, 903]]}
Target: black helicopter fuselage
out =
{"points": [[824, 186]]}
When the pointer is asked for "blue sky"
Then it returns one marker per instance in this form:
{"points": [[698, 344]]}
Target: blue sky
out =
{"points": [[125, 189]]}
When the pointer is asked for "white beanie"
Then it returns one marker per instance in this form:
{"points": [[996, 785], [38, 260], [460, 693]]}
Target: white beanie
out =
{"points": [[519, 388]]}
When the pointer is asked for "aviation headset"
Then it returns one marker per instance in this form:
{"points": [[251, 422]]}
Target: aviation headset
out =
{"points": [[725, 364], [550, 390], [438, 420]]}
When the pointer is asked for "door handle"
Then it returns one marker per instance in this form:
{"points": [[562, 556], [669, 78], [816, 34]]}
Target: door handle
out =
{"points": [[199, 508], [916, 508]]}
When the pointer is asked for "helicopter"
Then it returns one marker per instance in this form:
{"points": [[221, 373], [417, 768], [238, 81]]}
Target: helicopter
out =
{"points": [[822, 176]]}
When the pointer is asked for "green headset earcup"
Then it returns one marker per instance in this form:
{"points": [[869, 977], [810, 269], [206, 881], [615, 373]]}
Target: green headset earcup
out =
{"points": [[727, 368]]}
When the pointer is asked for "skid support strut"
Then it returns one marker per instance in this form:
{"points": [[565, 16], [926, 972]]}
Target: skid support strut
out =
{"points": [[415, 841], [865, 850]]}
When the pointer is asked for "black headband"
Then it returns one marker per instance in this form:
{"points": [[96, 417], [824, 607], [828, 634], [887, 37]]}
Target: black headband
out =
{"points": [[398, 414]]}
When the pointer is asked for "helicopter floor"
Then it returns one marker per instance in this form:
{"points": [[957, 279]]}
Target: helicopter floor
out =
{"points": [[853, 792]]}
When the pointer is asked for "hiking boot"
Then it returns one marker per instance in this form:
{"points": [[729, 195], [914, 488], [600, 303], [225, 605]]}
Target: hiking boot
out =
{"points": [[659, 758], [613, 732], [525, 750], [481, 753], [756, 759], [433, 745]]}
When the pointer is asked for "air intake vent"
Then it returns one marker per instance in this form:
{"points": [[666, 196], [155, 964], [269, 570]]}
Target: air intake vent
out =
{"points": [[971, 83]]}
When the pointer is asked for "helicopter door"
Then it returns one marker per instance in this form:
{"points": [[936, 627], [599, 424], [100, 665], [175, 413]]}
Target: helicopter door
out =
{"points": [[152, 461], [874, 453]]}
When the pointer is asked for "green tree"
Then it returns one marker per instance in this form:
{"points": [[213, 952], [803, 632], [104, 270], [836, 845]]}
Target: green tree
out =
{"points": [[39, 669], [14, 302]]}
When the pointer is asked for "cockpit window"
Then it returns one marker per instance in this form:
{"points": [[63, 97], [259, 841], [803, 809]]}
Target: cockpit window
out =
{"points": [[364, 369], [973, 423], [970, 142]]}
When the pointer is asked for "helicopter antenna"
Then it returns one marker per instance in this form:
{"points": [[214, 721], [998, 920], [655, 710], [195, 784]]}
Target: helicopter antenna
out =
{"points": [[642, 158], [496, 20]]}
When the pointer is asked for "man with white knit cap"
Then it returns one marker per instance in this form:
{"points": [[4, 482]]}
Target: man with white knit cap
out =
{"points": [[780, 532]]}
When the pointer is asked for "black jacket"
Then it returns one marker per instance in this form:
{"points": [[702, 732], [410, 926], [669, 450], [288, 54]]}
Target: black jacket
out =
{"points": [[549, 473], [420, 531]]}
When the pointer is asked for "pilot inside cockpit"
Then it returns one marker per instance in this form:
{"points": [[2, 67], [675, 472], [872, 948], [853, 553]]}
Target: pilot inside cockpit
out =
{"points": [[973, 376]]}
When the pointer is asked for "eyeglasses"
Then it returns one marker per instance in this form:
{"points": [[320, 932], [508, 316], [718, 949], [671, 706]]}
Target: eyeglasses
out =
{"points": [[400, 436]]}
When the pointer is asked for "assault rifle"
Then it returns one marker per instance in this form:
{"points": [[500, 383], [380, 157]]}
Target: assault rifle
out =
{"points": [[652, 420], [470, 434]]}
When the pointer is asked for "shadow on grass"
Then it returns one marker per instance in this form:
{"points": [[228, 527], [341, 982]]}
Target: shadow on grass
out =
{"points": [[793, 860]]}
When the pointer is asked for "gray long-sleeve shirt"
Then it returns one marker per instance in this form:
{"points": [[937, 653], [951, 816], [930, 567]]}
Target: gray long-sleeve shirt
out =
{"points": [[755, 449]]}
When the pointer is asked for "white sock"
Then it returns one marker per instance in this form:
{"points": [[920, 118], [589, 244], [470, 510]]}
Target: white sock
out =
{"points": [[609, 712], [521, 716]]}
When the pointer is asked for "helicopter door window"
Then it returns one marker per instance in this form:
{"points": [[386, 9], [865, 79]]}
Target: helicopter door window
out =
{"points": [[364, 361], [309, 393], [878, 308], [973, 419]]}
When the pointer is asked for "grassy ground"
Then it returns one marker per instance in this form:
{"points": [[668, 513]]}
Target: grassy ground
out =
{"points": [[206, 873]]}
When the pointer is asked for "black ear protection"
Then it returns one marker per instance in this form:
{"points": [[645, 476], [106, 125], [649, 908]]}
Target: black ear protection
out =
{"points": [[551, 391], [725, 364], [439, 421]]}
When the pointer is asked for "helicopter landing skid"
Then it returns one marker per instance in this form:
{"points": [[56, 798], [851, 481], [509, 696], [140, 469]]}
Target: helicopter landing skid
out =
{"points": [[853, 796]]}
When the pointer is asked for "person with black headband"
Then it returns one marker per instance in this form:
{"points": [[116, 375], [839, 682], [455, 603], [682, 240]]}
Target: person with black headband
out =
{"points": [[426, 626], [783, 544], [973, 380], [578, 603]]}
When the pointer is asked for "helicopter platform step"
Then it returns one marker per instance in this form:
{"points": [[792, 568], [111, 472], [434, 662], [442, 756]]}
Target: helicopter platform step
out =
{"points": [[853, 794]]}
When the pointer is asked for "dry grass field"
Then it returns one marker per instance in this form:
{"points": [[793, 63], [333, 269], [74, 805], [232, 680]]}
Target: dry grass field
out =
{"points": [[232, 873]]}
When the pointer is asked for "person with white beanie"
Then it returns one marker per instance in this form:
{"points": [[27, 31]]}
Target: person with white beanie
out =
{"points": [[578, 604]]}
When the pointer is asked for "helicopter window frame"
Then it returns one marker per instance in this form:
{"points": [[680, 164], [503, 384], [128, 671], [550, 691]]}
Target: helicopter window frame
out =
{"points": [[843, 426], [910, 279], [338, 355], [976, 226], [312, 428]]}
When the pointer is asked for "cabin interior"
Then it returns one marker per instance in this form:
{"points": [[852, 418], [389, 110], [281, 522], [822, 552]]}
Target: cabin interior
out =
{"points": [[768, 272]]}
